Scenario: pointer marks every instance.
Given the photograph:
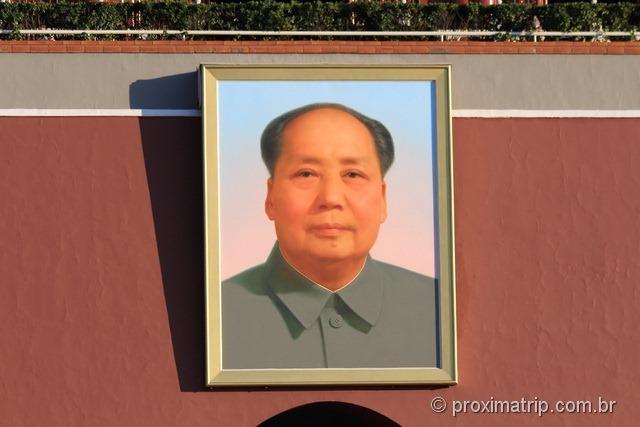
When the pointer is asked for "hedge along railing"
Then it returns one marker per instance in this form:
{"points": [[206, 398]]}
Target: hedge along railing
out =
{"points": [[447, 35], [271, 15]]}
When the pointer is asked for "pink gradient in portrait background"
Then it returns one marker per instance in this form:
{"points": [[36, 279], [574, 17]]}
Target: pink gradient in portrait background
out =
{"points": [[406, 108]]}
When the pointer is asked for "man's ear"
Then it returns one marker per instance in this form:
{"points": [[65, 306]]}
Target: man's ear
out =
{"points": [[383, 213], [268, 203]]}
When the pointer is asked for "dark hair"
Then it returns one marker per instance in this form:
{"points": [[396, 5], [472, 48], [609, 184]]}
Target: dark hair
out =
{"points": [[271, 140]]}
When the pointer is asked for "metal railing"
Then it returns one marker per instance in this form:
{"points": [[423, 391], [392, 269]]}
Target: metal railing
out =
{"points": [[445, 35]]}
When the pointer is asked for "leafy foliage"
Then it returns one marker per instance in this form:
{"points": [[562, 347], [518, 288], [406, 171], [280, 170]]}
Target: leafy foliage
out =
{"points": [[315, 15]]}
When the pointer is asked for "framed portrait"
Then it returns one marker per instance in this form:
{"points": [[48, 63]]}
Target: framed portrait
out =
{"points": [[329, 237]]}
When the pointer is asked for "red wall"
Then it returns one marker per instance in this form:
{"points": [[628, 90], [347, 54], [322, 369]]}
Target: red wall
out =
{"points": [[101, 275]]}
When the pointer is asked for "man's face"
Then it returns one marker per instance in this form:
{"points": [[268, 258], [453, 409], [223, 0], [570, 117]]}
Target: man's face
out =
{"points": [[326, 196]]}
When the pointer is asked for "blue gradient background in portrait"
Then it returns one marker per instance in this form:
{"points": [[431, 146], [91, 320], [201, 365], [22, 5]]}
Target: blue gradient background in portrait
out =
{"points": [[406, 108]]}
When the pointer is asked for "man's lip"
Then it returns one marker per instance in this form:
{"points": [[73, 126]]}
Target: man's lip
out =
{"points": [[329, 229], [330, 226]]}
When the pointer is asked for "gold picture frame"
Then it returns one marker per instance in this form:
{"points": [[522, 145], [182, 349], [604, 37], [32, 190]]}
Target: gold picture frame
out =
{"points": [[439, 76]]}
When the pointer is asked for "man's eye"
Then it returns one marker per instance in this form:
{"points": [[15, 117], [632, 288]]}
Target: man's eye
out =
{"points": [[305, 174], [353, 174]]}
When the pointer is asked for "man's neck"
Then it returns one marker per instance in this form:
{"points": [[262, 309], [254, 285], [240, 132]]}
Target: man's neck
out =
{"points": [[331, 275]]}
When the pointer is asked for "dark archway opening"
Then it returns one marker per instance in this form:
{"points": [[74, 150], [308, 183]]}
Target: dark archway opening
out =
{"points": [[334, 414]]}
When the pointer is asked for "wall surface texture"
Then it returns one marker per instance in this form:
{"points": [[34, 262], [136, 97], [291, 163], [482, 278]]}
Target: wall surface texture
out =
{"points": [[101, 265]]}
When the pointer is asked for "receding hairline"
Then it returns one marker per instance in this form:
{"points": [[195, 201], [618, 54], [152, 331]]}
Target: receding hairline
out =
{"points": [[354, 118], [326, 107], [271, 140]]}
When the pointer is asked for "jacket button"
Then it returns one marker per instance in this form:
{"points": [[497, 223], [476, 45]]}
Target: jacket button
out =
{"points": [[336, 321]]}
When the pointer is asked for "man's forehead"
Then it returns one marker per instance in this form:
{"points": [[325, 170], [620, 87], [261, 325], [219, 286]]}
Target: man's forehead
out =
{"points": [[326, 117], [301, 151], [328, 135]]}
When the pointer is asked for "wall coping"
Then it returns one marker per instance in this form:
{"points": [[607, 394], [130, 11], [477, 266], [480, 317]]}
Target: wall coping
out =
{"points": [[319, 46]]}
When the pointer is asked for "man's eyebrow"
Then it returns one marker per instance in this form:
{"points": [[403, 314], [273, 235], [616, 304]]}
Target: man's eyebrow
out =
{"points": [[344, 160], [312, 160], [354, 160]]}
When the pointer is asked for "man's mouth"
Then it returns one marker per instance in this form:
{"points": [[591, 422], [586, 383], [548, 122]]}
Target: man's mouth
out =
{"points": [[329, 229]]}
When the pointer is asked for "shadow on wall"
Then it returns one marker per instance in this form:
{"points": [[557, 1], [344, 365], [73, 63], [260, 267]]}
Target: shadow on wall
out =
{"points": [[172, 150], [179, 91], [329, 414]]}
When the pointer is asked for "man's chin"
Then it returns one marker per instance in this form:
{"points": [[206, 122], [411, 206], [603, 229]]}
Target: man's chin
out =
{"points": [[323, 252], [332, 254]]}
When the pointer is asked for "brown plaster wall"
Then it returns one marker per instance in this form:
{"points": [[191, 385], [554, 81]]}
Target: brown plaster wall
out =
{"points": [[101, 275]]}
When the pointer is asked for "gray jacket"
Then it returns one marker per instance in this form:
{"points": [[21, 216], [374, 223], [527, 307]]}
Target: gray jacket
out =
{"points": [[274, 317]]}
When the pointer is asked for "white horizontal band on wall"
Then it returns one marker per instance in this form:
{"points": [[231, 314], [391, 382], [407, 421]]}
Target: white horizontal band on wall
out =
{"points": [[462, 113], [552, 114], [124, 112]]}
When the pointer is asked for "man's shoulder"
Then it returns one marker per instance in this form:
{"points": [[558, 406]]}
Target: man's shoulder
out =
{"points": [[401, 277], [249, 282]]}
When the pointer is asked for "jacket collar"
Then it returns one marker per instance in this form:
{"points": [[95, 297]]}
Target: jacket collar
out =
{"points": [[305, 299]]}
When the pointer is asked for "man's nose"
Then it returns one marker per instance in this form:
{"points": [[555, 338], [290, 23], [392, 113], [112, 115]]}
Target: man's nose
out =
{"points": [[330, 193]]}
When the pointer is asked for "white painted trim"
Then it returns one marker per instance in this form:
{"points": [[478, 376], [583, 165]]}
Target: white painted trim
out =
{"points": [[462, 113], [124, 112], [560, 114]]}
